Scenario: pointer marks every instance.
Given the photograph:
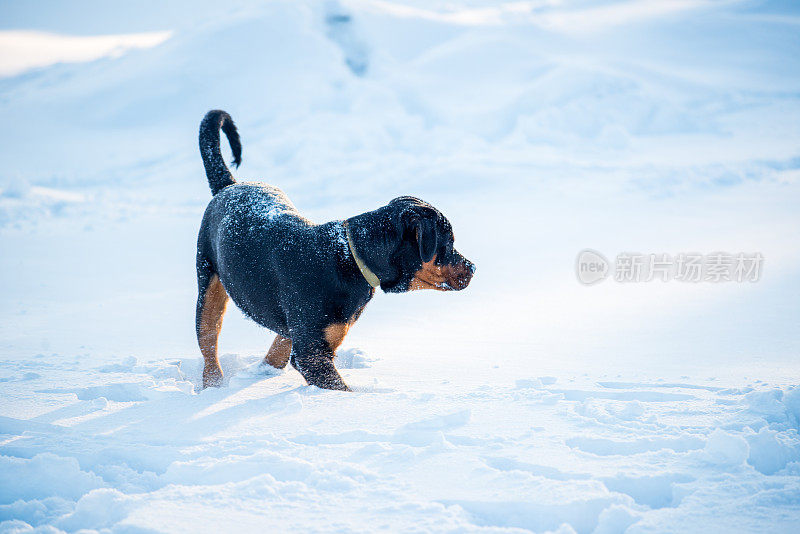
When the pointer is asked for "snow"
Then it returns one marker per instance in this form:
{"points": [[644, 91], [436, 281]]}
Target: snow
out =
{"points": [[528, 402], [22, 51]]}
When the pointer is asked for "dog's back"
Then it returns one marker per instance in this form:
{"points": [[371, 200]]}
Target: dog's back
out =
{"points": [[247, 227]]}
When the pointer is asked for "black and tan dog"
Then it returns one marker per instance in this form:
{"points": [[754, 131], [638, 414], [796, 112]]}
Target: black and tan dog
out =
{"points": [[306, 282]]}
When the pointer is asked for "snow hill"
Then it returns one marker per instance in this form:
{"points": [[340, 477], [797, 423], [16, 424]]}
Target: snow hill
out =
{"points": [[526, 403]]}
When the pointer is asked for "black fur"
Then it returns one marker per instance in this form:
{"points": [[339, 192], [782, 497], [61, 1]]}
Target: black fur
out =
{"points": [[216, 171], [296, 277]]}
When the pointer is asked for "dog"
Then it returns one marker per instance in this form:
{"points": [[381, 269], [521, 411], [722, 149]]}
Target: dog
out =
{"points": [[306, 282]]}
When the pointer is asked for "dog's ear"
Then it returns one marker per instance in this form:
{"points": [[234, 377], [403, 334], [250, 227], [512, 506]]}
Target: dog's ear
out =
{"points": [[424, 228]]}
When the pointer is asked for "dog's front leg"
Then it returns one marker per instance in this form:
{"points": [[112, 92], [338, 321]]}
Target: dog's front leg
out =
{"points": [[312, 356]]}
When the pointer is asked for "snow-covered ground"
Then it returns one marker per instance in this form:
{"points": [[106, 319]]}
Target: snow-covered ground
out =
{"points": [[527, 402]]}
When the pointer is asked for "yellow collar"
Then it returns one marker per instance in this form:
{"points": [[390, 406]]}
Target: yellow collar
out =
{"points": [[369, 276]]}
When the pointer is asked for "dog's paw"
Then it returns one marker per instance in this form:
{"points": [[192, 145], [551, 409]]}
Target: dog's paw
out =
{"points": [[212, 377]]}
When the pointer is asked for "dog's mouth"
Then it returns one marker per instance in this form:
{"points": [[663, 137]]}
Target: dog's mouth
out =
{"points": [[450, 277]]}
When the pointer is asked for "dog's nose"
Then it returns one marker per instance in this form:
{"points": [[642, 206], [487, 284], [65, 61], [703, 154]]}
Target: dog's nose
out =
{"points": [[470, 266], [464, 275]]}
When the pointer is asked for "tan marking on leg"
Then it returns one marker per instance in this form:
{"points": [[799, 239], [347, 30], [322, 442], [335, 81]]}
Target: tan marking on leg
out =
{"points": [[278, 354], [214, 303], [334, 334]]}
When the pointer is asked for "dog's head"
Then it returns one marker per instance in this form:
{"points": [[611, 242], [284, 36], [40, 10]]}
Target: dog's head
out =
{"points": [[416, 249]]}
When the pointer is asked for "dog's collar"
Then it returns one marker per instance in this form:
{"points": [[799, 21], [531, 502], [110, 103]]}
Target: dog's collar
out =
{"points": [[369, 276]]}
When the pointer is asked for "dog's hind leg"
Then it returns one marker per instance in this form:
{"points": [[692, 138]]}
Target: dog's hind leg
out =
{"points": [[211, 302], [278, 354]]}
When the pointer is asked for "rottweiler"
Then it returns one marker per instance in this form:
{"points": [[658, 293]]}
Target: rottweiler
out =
{"points": [[306, 282]]}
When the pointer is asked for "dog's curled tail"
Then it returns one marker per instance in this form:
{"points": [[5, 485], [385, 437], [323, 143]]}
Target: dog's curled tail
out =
{"points": [[219, 176]]}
